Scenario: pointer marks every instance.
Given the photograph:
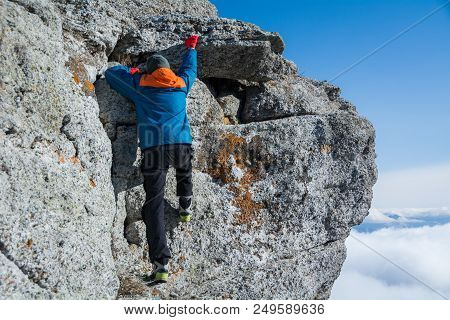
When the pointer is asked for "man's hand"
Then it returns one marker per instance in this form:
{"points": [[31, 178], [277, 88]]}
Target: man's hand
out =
{"points": [[134, 70], [191, 42]]}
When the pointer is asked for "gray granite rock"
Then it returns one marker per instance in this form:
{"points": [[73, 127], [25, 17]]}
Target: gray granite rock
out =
{"points": [[300, 193], [227, 49], [135, 233], [230, 106], [92, 28], [56, 198], [289, 97], [202, 108], [275, 198]]}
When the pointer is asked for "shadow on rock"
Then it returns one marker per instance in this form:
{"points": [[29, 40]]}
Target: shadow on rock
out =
{"points": [[118, 117]]}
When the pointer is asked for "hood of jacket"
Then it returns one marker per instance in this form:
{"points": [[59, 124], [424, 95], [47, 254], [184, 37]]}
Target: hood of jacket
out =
{"points": [[162, 78]]}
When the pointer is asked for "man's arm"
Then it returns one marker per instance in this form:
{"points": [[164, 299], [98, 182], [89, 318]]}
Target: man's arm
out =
{"points": [[121, 80], [188, 69]]}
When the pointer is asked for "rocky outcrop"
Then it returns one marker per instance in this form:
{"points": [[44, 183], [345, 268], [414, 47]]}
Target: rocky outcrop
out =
{"points": [[292, 96], [284, 167], [56, 197], [225, 43]]}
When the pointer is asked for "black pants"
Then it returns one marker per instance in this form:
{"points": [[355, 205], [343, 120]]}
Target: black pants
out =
{"points": [[155, 163]]}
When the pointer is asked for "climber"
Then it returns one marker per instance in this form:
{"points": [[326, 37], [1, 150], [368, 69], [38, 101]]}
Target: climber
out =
{"points": [[164, 138]]}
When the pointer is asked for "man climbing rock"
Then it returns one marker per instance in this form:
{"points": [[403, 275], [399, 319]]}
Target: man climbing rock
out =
{"points": [[164, 138]]}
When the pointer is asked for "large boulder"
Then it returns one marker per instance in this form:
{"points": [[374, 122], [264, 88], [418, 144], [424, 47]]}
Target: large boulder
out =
{"points": [[283, 167], [227, 49], [291, 96], [267, 195], [57, 202], [275, 201]]}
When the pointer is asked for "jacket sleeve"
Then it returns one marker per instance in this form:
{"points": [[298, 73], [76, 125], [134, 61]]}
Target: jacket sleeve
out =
{"points": [[188, 69], [120, 79]]}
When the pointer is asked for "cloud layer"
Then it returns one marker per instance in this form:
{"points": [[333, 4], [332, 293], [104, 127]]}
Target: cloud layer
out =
{"points": [[404, 218], [424, 252]]}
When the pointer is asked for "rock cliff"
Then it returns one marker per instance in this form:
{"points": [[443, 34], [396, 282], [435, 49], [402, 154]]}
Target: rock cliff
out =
{"points": [[284, 167]]}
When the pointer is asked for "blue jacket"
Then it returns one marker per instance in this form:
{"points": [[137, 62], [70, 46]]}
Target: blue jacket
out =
{"points": [[160, 99]]}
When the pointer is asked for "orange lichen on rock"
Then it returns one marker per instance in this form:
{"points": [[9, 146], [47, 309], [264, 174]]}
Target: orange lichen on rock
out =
{"points": [[61, 158], [74, 160], [76, 79], [243, 199], [325, 149], [92, 183], [88, 86], [231, 145], [81, 76]]}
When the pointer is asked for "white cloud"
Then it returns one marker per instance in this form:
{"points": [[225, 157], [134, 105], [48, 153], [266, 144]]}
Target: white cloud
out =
{"points": [[417, 196], [378, 216], [416, 212], [381, 215], [423, 252], [358, 286], [417, 187]]}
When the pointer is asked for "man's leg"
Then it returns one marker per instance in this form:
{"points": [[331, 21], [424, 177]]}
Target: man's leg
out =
{"points": [[184, 178], [153, 209]]}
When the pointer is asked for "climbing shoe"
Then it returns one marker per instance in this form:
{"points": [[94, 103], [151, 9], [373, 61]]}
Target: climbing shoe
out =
{"points": [[160, 273], [185, 215]]}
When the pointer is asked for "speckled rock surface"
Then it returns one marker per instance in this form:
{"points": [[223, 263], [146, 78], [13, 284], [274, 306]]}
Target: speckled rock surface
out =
{"points": [[283, 166], [291, 96], [230, 106], [224, 45], [56, 197]]}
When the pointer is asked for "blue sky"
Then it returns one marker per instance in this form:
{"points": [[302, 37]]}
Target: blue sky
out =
{"points": [[404, 89]]}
